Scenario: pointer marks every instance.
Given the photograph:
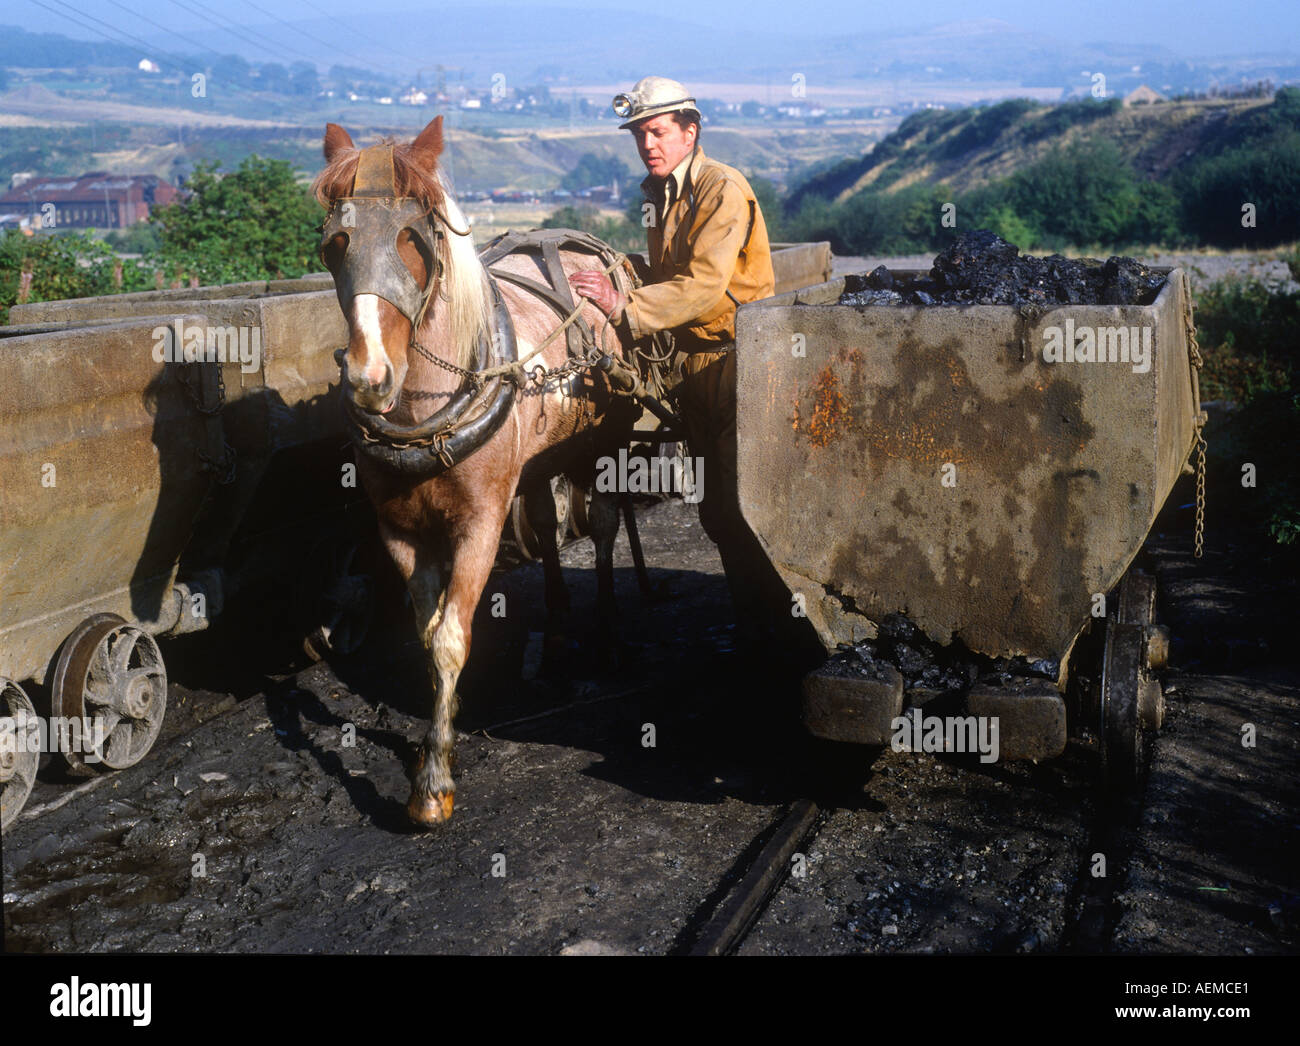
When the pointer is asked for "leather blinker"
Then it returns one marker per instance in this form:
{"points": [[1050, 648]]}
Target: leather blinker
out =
{"points": [[371, 220]]}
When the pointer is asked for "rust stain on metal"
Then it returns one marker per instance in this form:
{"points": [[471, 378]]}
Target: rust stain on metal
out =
{"points": [[830, 411]]}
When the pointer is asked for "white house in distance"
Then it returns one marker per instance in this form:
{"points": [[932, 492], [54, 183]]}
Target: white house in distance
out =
{"points": [[1142, 95], [148, 66]]}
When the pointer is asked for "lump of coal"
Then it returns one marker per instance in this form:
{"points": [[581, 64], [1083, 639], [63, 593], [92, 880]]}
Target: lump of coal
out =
{"points": [[929, 666], [880, 279], [898, 627], [981, 268], [910, 661], [871, 298], [974, 254]]}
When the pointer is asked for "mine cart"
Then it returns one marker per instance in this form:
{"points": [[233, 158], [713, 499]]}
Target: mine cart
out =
{"points": [[138, 492], [936, 462]]}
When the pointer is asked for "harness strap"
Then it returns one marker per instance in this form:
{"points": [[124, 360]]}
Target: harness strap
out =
{"points": [[375, 175]]}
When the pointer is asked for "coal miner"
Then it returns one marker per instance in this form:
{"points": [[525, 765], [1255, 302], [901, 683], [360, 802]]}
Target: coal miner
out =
{"points": [[708, 253]]}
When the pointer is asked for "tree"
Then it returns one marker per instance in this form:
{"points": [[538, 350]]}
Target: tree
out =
{"points": [[769, 203], [303, 80], [254, 223], [620, 234], [273, 77], [592, 170], [62, 265]]}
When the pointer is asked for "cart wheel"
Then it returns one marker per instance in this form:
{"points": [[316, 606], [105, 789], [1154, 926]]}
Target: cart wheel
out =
{"points": [[1121, 729], [113, 674], [1131, 697], [525, 538], [17, 764], [579, 511], [345, 605]]}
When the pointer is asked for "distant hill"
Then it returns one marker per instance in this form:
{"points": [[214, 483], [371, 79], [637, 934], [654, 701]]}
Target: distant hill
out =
{"points": [[967, 148], [472, 44], [1223, 172], [20, 49]]}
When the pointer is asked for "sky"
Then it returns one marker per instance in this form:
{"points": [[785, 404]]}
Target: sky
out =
{"points": [[1193, 28]]}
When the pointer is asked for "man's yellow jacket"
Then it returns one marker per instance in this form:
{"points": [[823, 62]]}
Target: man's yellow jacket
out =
{"points": [[712, 240]]}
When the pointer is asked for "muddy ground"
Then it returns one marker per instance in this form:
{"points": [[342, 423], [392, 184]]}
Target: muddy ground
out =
{"points": [[255, 826]]}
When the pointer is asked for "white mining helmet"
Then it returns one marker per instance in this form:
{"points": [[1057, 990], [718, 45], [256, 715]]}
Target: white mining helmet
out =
{"points": [[651, 96]]}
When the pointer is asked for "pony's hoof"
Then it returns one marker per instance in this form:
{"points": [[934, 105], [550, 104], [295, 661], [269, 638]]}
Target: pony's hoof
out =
{"points": [[428, 810]]}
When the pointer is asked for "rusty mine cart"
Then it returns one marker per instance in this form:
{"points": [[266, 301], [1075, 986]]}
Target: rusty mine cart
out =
{"points": [[928, 461]]}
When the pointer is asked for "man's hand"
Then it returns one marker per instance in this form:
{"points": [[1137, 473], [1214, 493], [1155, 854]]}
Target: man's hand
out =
{"points": [[597, 287]]}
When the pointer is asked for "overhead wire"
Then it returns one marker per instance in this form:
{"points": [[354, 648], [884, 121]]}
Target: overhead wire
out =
{"points": [[270, 46], [148, 50], [365, 36], [299, 30]]}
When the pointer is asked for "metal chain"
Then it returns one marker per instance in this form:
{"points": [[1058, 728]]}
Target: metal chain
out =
{"points": [[191, 379], [462, 372], [193, 389], [532, 381], [223, 466], [1200, 494], [1194, 352]]}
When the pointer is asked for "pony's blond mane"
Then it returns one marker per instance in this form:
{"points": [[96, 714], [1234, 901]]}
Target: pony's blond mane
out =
{"points": [[464, 285]]}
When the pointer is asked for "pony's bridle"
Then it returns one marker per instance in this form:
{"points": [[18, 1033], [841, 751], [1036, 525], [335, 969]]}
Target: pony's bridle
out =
{"points": [[371, 220]]}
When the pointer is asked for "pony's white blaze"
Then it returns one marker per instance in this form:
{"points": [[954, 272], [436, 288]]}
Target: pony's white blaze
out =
{"points": [[365, 321]]}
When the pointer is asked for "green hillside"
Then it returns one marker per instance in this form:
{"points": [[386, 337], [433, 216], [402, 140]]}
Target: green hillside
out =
{"points": [[1085, 173]]}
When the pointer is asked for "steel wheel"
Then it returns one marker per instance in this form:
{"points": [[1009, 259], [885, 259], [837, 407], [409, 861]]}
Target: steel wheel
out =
{"points": [[346, 607], [111, 673], [1121, 730], [1131, 696], [579, 511], [17, 764], [525, 537]]}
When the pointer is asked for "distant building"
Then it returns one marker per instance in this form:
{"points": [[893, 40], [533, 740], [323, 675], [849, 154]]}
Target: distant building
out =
{"points": [[97, 200], [1142, 95], [415, 97], [146, 66]]}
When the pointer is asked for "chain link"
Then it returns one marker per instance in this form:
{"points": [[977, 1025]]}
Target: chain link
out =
{"points": [[191, 379], [1200, 495], [1198, 361]]}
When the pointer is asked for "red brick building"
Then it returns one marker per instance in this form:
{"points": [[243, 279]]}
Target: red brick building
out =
{"points": [[97, 200]]}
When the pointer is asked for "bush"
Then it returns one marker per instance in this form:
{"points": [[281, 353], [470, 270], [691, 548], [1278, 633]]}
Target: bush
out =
{"points": [[1082, 195], [985, 126], [873, 222], [255, 223], [1060, 118], [620, 233], [1265, 173], [1248, 331]]}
